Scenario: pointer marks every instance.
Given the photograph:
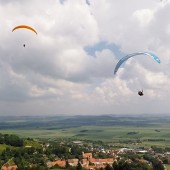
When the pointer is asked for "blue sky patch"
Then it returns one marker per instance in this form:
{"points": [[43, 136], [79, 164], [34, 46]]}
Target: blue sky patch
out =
{"points": [[61, 1], [87, 2], [91, 50]]}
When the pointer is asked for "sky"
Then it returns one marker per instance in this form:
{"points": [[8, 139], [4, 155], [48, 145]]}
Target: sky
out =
{"points": [[68, 67]]}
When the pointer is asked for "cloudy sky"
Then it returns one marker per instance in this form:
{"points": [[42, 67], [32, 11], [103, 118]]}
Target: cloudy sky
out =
{"points": [[68, 67]]}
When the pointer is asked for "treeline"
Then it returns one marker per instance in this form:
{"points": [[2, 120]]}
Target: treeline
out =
{"points": [[155, 140], [12, 140], [133, 161], [128, 165], [23, 157], [160, 149], [156, 163]]}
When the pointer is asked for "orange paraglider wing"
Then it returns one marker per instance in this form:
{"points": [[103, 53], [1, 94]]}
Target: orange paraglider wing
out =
{"points": [[24, 26]]}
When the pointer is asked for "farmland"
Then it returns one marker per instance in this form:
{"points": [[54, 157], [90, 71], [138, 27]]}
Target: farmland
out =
{"points": [[118, 130]]}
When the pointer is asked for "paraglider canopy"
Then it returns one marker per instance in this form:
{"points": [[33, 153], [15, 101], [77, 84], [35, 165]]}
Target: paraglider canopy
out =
{"points": [[121, 61], [135, 54], [24, 27]]}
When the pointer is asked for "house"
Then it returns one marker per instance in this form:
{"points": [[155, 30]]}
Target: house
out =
{"points": [[87, 155], [100, 162], [91, 167], [73, 162], [60, 163], [78, 142], [85, 163], [13, 167], [50, 164]]}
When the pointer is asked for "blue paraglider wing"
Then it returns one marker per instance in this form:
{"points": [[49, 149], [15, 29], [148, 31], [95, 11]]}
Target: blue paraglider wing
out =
{"points": [[134, 54]]}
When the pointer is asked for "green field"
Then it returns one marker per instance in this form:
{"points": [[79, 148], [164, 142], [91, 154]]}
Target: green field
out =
{"points": [[135, 131], [167, 167], [117, 134]]}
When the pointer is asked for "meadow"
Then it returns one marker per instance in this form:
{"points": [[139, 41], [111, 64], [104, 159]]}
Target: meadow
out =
{"points": [[119, 130], [125, 131]]}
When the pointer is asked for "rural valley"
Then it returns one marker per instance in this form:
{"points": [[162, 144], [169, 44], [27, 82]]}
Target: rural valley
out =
{"points": [[91, 142]]}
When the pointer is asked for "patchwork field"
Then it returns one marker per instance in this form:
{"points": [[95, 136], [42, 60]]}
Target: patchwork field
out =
{"points": [[131, 131]]}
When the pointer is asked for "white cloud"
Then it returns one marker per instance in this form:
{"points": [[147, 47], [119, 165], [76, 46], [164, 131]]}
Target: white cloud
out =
{"points": [[144, 16], [54, 74]]}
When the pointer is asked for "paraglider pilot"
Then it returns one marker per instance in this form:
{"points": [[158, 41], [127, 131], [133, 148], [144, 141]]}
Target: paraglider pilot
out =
{"points": [[23, 45], [140, 93]]}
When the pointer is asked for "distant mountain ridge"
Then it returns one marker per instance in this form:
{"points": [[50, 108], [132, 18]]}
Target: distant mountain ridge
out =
{"points": [[61, 122]]}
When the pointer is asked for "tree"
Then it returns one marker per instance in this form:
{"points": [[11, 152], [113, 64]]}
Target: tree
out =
{"points": [[108, 167], [114, 165], [157, 165], [79, 167], [67, 164]]}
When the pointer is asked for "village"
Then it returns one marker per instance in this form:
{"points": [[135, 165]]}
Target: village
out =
{"points": [[90, 156], [91, 163]]}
